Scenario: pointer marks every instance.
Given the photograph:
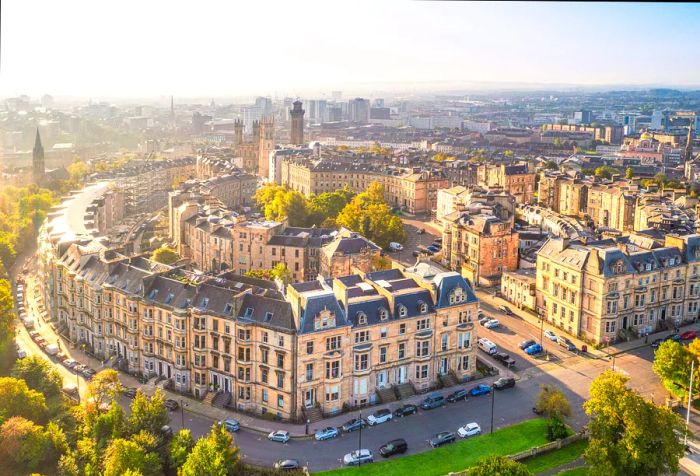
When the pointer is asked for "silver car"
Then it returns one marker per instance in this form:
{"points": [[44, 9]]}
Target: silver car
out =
{"points": [[357, 457]]}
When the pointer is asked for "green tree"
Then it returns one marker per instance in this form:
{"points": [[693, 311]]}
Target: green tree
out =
{"points": [[498, 466], [125, 455], [101, 389], [180, 446], [628, 435], [24, 445], [6, 323], [39, 375], [552, 402], [213, 455], [165, 255], [148, 413], [327, 205], [628, 173], [16, 399], [672, 362], [605, 171], [107, 426], [84, 460]]}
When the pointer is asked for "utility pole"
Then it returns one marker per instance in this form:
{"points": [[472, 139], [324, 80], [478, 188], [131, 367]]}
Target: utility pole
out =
{"points": [[690, 400]]}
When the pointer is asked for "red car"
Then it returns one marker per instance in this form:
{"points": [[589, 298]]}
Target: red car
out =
{"points": [[689, 335]]}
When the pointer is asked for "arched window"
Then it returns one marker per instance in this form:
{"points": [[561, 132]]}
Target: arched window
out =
{"points": [[361, 318], [383, 314], [402, 310]]}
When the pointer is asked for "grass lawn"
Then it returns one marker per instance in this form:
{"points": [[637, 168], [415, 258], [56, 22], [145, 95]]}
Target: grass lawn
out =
{"points": [[459, 455], [583, 471], [556, 458]]}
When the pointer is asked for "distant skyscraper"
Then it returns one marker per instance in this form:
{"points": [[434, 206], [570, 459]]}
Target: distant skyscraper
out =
{"points": [[583, 117], [297, 129], [38, 168], [358, 110], [629, 123], [656, 118]]}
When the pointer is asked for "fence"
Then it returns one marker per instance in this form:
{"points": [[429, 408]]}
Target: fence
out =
{"points": [[538, 450]]}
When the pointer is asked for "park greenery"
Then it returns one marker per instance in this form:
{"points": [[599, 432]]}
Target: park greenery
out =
{"points": [[672, 363], [552, 402], [279, 271], [165, 255], [629, 435], [367, 213]]}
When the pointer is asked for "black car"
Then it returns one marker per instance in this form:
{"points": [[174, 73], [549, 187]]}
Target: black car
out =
{"points": [[408, 409], [442, 438], [354, 424], [504, 382], [457, 395], [566, 343], [527, 343], [656, 343], [504, 358], [287, 464], [171, 404], [505, 310], [394, 447]]}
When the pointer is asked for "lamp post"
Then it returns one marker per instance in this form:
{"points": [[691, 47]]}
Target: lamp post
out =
{"points": [[493, 399], [359, 442]]}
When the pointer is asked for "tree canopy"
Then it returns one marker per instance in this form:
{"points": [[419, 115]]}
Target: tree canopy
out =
{"points": [[165, 255], [628, 435], [672, 363], [605, 171], [39, 375], [213, 455], [498, 466], [17, 399]]}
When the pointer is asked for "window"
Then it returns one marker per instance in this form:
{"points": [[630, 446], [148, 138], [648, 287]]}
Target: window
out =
{"points": [[382, 354], [463, 363], [333, 369], [361, 336], [263, 355], [280, 360], [464, 340], [383, 314], [423, 308], [280, 401], [422, 324], [264, 375], [332, 393], [264, 395], [310, 347], [610, 326], [422, 371], [264, 337], [309, 372], [280, 379], [445, 340], [402, 329], [280, 341], [612, 307], [402, 350], [361, 362], [382, 333], [640, 300], [361, 318], [333, 343], [422, 348]]}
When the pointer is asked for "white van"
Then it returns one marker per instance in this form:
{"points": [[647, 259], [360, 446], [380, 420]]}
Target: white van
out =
{"points": [[487, 346], [51, 349], [394, 246]]}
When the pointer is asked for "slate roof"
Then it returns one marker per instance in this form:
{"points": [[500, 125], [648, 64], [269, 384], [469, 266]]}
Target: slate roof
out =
{"points": [[266, 311], [446, 282], [317, 303]]}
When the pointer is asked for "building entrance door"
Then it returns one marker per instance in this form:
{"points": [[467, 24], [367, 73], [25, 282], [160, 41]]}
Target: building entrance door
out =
{"points": [[309, 397]]}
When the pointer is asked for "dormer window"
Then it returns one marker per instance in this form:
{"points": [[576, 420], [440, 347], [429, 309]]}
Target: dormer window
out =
{"points": [[324, 319], [648, 267], [361, 318], [383, 314], [248, 313], [402, 310], [618, 267], [422, 307]]}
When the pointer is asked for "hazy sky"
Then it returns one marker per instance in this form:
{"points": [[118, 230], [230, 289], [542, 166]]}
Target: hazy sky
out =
{"points": [[223, 48]]}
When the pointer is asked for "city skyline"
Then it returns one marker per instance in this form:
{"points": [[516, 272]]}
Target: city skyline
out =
{"points": [[409, 47]]}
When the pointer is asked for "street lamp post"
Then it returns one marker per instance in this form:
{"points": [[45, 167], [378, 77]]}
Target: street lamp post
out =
{"points": [[493, 399], [359, 442]]}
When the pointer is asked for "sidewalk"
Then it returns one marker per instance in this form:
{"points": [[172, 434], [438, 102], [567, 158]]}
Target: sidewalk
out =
{"points": [[603, 353]]}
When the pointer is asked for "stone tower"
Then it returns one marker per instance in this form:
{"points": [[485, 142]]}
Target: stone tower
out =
{"points": [[267, 144], [38, 168], [297, 129], [238, 132], [688, 153]]}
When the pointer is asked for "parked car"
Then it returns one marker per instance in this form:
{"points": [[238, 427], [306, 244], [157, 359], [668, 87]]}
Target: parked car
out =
{"points": [[433, 248], [358, 457], [689, 335], [408, 409], [550, 335], [130, 392], [287, 464], [167, 431], [527, 343], [442, 438], [171, 404], [380, 416], [70, 363], [674, 337], [231, 425], [534, 349], [656, 343], [281, 436], [434, 400], [492, 324], [393, 447], [504, 382], [34, 335], [354, 424], [21, 353], [438, 240], [566, 343], [326, 433], [505, 310], [504, 358], [394, 246], [460, 394], [484, 320], [88, 373], [481, 389], [487, 346], [470, 429]]}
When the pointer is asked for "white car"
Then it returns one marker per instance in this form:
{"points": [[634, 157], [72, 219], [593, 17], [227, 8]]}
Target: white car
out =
{"points": [[357, 457], [492, 324], [394, 246], [470, 429], [550, 335], [380, 416], [279, 435]]}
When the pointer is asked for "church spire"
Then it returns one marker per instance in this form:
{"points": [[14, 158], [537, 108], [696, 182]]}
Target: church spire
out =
{"points": [[688, 155], [38, 169]]}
